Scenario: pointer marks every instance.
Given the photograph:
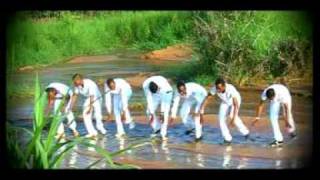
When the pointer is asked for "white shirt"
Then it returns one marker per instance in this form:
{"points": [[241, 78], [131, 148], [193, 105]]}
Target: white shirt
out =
{"points": [[163, 85], [62, 89], [282, 93], [227, 97], [194, 92], [89, 88], [121, 87]]}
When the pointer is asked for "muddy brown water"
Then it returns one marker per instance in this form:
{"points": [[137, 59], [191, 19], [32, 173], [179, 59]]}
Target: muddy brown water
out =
{"points": [[180, 151]]}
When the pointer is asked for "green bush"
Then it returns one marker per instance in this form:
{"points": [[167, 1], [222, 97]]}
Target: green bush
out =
{"points": [[240, 45]]}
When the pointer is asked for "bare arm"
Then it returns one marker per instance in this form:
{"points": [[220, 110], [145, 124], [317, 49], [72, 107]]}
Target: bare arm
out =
{"points": [[49, 106], [258, 112], [236, 107], [259, 109], [90, 104], [74, 98], [286, 117], [204, 103]]}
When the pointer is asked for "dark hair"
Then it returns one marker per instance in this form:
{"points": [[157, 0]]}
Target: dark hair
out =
{"points": [[50, 89], [220, 80], [270, 93], [153, 87], [109, 81], [180, 83], [77, 75]]}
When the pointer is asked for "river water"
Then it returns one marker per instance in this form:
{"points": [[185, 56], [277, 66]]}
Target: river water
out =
{"points": [[180, 151]]}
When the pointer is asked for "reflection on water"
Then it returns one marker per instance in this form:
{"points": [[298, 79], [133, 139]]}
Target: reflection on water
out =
{"points": [[227, 157], [205, 154], [242, 163]]}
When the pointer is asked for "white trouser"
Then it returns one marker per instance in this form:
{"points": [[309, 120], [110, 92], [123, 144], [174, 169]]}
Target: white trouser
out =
{"points": [[165, 101], [225, 111], [189, 120], [118, 107], [71, 122], [274, 116], [87, 118]]}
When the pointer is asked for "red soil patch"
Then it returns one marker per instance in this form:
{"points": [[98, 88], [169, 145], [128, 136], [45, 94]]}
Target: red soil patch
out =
{"points": [[176, 52], [91, 59]]}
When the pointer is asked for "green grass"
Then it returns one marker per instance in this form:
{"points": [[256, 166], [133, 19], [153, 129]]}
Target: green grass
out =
{"points": [[40, 150], [239, 45], [33, 41]]}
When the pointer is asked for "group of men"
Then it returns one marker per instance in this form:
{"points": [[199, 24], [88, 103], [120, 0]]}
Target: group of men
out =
{"points": [[159, 92]]}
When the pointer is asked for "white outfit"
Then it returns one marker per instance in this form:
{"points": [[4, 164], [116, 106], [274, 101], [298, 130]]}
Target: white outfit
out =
{"points": [[194, 97], [226, 109], [90, 88], [63, 91], [163, 96], [282, 96], [120, 97]]}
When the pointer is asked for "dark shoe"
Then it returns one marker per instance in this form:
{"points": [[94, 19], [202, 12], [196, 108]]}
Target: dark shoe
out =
{"points": [[199, 139], [189, 131], [248, 137], [226, 143], [293, 135], [276, 143], [157, 131], [154, 134]]}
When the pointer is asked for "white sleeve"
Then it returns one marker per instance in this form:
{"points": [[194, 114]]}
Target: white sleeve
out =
{"points": [[264, 95], [107, 98], [124, 99], [175, 105], [149, 100], [92, 90], [76, 90], [213, 91]]}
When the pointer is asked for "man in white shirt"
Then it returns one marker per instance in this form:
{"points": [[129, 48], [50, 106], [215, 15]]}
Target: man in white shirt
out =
{"points": [[193, 95], [279, 96], [119, 91], [158, 91], [59, 97], [230, 106], [90, 91]]}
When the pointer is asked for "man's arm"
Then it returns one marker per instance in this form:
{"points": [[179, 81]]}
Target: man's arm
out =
{"points": [[258, 112], [235, 110], [205, 102], [73, 101], [107, 98], [175, 106], [149, 101], [49, 105], [91, 104], [286, 113]]}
